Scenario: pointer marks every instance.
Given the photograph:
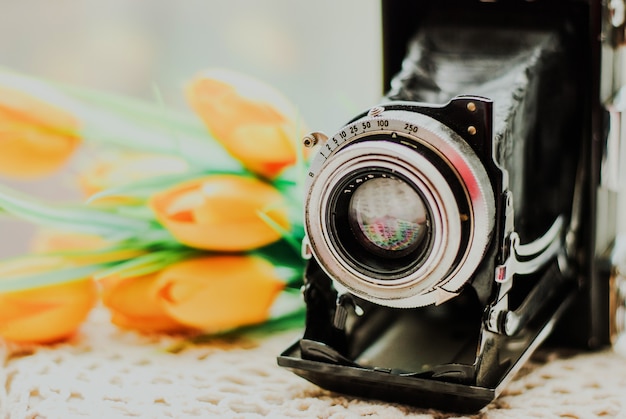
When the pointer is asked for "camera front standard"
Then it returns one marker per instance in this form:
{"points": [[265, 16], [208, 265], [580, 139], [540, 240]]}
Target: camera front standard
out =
{"points": [[454, 227]]}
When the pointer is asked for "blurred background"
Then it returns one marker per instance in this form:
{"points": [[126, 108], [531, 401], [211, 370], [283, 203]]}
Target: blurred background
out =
{"points": [[325, 56]]}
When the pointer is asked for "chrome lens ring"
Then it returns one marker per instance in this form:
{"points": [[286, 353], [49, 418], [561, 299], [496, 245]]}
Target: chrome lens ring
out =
{"points": [[451, 262], [444, 219]]}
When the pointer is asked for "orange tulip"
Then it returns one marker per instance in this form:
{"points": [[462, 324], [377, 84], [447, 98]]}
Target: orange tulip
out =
{"points": [[217, 293], [36, 138], [45, 314], [221, 212], [254, 122], [134, 305]]}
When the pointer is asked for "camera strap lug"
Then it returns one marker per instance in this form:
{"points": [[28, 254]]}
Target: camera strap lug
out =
{"points": [[522, 259], [510, 322], [528, 258]]}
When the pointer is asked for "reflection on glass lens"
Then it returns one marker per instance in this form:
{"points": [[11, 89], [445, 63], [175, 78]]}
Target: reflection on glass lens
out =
{"points": [[389, 213]]}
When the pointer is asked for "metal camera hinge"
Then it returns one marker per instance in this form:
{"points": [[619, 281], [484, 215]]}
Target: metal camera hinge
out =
{"points": [[520, 259]]}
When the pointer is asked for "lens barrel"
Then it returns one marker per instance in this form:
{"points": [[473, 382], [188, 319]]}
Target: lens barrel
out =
{"points": [[399, 207]]}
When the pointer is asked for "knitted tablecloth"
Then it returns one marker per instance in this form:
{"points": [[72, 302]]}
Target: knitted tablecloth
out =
{"points": [[105, 372]]}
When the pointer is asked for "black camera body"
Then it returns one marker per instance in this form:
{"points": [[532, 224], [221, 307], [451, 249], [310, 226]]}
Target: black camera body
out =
{"points": [[457, 225]]}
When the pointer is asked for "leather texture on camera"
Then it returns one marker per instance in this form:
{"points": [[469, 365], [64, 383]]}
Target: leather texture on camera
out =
{"points": [[531, 78]]}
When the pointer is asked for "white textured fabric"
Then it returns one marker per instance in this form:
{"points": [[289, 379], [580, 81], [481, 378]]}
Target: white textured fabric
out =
{"points": [[108, 373]]}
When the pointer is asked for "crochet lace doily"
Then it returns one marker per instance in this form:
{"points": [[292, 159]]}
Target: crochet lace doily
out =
{"points": [[108, 373]]}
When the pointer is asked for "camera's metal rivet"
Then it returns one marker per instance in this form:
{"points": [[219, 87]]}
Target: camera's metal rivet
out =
{"points": [[471, 106], [309, 141], [376, 111], [511, 323], [471, 130]]}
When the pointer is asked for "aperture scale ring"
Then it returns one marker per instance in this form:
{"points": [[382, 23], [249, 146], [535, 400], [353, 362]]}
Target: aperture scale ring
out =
{"points": [[425, 131]]}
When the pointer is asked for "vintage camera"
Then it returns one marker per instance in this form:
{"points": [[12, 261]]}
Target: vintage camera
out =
{"points": [[457, 225]]}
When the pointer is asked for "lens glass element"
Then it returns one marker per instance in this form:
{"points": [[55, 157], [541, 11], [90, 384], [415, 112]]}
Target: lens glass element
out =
{"points": [[389, 216]]}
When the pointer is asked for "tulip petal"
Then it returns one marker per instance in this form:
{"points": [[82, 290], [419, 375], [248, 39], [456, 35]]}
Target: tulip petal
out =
{"points": [[220, 212], [48, 313], [36, 137], [264, 149], [217, 293], [15, 308], [147, 324], [253, 121], [134, 306]]}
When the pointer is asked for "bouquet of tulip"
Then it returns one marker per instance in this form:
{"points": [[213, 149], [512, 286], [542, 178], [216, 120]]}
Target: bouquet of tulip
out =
{"points": [[189, 224]]}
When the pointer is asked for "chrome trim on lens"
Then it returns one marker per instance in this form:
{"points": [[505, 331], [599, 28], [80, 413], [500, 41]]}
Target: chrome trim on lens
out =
{"points": [[445, 221], [449, 264]]}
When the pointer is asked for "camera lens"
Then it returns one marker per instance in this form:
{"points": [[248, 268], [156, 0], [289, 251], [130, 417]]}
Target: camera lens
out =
{"points": [[388, 216], [397, 209], [379, 222]]}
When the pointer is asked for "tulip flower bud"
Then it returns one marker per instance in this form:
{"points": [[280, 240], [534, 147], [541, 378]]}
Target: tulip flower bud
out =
{"points": [[217, 293], [44, 314], [222, 212], [36, 138], [134, 305], [253, 121]]}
